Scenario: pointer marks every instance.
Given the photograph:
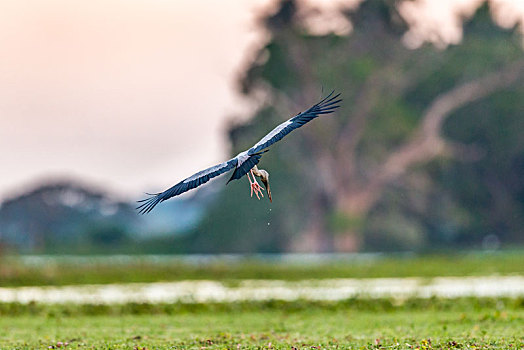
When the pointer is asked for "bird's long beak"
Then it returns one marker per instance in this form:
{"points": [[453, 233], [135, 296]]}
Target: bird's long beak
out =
{"points": [[265, 181]]}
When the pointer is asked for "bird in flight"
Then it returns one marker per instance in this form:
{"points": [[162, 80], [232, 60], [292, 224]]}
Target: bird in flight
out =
{"points": [[245, 163]]}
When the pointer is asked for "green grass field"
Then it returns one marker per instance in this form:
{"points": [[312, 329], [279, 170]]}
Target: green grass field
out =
{"points": [[464, 324], [14, 273], [360, 323]]}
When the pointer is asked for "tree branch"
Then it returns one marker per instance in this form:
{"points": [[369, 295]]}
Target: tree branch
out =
{"points": [[386, 79], [427, 142], [464, 94]]}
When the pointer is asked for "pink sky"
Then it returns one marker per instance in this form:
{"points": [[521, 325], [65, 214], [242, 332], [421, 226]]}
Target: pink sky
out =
{"points": [[132, 95]]}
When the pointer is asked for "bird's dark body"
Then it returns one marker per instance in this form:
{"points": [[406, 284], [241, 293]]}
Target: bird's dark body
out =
{"points": [[246, 160], [244, 168]]}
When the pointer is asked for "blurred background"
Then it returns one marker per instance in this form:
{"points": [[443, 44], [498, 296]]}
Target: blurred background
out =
{"points": [[102, 101]]}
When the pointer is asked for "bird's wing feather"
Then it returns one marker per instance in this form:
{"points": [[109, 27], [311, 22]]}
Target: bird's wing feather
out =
{"points": [[185, 185], [325, 106]]}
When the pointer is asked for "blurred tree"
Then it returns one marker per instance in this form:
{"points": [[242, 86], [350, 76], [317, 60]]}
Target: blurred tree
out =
{"points": [[55, 216], [109, 236], [458, 198], [362, 169]]}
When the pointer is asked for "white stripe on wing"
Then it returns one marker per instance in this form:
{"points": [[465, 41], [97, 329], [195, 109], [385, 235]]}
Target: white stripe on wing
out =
{"points": [[206, 172], [272, 133]]}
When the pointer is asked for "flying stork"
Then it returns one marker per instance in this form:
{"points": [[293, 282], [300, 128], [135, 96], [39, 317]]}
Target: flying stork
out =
{"points": [[245, 163]]}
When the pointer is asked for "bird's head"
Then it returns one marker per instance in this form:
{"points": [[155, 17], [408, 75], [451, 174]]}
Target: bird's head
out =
{"points": [[264, 177]]}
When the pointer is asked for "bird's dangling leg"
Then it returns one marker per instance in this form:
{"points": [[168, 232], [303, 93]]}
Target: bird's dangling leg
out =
{"points": [[254, 185], [264, 176]]}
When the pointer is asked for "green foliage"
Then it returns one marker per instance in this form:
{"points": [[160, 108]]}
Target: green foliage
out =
{"points": [[108, 236], [395, 232], [341, 222], [274, 70]]}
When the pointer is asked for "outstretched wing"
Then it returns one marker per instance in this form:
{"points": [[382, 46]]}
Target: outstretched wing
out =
{"points": [[185, 185], [325, 106]]}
